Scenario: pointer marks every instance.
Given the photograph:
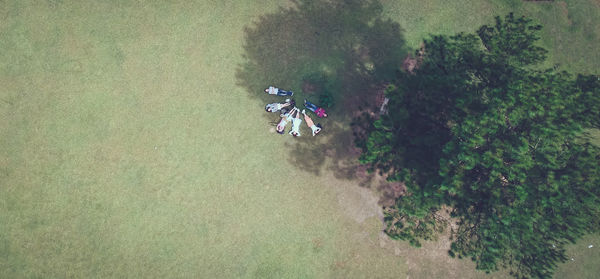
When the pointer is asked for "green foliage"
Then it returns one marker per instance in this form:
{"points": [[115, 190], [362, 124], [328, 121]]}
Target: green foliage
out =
{"points": [[326, 99], [589, 99], [410, 220], [511, 41], [324, 85], [478, 129]]}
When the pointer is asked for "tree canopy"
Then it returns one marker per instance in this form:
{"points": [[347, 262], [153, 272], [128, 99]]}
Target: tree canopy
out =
{"points": [[481, 133]]}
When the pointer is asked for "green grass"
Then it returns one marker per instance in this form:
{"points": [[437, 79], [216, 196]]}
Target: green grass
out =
{"points": [[583, 260], [129, 149], [570, 31], [595, 136]]}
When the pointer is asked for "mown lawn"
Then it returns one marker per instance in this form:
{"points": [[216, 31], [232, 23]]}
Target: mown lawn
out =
{"points": [[570, 30], [128, 147]]}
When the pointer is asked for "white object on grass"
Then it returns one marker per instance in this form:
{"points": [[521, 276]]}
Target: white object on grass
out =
{"points": [[383, 108]]}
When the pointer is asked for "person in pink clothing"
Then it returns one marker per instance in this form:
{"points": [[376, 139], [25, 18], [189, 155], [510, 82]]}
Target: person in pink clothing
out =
{"points": [[320, 112], [309, 122]]}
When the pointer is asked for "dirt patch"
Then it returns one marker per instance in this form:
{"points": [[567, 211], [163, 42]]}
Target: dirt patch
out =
{"points": [[359, 203], [432, 253], [361, 172], [409, 64], [308, 87], [390, 191]]}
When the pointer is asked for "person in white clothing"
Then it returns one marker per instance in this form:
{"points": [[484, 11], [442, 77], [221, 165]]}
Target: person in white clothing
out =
{"points": [[309, 122], [296, 121], [272, 90], [275, 107], [285, 118]]}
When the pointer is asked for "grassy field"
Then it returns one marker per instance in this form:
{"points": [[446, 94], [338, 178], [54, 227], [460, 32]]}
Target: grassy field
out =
{"points": [[570, 31], [130, 146]]}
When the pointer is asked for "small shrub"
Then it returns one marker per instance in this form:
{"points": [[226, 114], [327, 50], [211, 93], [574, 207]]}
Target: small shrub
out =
{"points": [[326, 99], [322, 84]]}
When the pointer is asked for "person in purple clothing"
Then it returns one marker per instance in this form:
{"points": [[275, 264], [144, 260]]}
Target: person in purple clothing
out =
{"points": [[320, 112], [276, 91]]}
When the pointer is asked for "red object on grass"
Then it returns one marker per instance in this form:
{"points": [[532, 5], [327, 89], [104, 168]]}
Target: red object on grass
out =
{"points": [[321, 112]]}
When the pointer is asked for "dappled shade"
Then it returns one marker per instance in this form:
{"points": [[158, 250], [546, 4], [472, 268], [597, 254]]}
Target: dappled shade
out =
{"points": [[343, 48]]}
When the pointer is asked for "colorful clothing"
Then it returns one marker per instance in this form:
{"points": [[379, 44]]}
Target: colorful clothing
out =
{"points": [[276, 91], [315, 129], [296, 126], [320, 112]]}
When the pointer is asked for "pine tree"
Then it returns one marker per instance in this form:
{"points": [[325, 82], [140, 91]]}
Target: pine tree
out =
{"points": [[479, 128]]}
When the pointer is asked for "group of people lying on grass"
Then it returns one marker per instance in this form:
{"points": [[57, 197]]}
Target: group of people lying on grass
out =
{"points": [[293, 115]]}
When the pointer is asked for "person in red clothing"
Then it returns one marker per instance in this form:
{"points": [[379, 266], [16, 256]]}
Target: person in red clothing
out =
{"points": [[320, 112]]}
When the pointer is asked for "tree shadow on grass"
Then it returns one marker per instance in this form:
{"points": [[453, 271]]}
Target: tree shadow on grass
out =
{"points": [[344, 47]]}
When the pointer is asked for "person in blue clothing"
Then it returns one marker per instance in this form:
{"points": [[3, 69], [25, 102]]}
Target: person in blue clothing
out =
{"points": [[276, 91], [320, 112]]}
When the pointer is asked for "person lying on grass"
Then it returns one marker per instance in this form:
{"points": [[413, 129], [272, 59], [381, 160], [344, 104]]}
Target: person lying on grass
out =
{"points": [[296, 121], [309, 122], [275, 107], [320, 112], [285, 118], [276, 91]]}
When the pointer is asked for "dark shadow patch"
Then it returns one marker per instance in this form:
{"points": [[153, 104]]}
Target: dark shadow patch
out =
{"points": [[350, 47]]}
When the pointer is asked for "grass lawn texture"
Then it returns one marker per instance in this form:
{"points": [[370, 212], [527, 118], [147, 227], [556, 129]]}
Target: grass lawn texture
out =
{"points": [[134, 142]]}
